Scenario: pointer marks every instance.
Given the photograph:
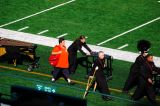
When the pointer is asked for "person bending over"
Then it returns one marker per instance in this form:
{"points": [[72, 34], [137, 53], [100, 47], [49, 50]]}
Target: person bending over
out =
{"points": [[73, 48]]}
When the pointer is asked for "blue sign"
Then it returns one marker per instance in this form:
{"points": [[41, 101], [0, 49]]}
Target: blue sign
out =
{"points": [[45, 88]]}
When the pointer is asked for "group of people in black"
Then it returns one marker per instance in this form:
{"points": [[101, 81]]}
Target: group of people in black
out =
{"points": [[140, 75]]}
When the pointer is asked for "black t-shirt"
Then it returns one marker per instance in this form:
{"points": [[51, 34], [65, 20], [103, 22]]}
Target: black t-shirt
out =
{"points": [[77, 45]]}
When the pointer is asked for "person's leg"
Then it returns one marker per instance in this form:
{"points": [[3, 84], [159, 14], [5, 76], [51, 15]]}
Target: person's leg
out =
{"points": [[55, 73], [151, 95], [72, 63], [139, 92], [130, 83], [65, 72], [103, 87]]}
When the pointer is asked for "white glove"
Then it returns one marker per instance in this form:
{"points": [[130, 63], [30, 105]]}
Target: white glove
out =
{"points": [[96, 68]]}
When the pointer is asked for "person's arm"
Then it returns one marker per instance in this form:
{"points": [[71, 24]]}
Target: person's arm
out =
{"points": [[150, 81], [144, 72], [56, 51], [155, 69], [79, 47], [86, 46], [95, 65]]}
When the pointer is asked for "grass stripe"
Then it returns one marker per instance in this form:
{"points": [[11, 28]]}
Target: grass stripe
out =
{"points": [[126, 32], [62, 35], [121, 47], [21, 29], [40, 12], [42, 32]]}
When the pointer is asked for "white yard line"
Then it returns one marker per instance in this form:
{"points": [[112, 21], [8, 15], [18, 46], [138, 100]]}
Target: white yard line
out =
{"points": [[29, 16], [21, 29], [158, 1], [128, 31], [44, 31], [62, 35], [51, 42], [121, 47]]}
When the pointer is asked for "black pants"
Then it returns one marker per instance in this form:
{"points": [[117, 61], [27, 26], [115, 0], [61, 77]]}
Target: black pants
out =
{"points": [[131, 82], [73, 63], [102, 85], [144, 89], [59, 72]]}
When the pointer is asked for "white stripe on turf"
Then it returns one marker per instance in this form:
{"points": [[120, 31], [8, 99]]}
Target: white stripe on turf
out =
{"points": [[62, 35], [158, 1], [29, 16], [128, 31], [121, 47], [21, 29], [51, 42], [44, 31]]}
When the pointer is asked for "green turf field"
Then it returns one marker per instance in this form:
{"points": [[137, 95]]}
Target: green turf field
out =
{"points": [[99, 20]]}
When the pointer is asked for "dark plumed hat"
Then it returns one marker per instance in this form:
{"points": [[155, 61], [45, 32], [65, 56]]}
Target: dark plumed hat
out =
{"points": [[143, 45]]}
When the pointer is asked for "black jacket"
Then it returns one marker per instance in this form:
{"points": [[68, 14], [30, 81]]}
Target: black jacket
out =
{"points": [[147, 70], [135, 67], [77, 45], [100, 63]]}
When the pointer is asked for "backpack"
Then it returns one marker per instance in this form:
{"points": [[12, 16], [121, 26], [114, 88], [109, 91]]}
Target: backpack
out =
{"points": [[53, 59]]}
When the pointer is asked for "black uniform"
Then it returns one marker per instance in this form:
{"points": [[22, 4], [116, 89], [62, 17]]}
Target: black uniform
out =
{"points": [[100, 77], [144, 87], [155, 69], [73, 48], [134, 73]]}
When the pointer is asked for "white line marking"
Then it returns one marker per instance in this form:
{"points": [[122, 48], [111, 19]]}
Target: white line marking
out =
{"points": [[121, 47], [21, 29], [51, 42], [62, 35], [44, 31], [158, 1], [37, 13], [129, 31]]}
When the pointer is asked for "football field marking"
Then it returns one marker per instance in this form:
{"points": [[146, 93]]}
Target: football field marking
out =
{"points": [[29, 16], [62, 35], [44, 31], [158, 1], [21, 29], [121, 47], [51, 42], [126, 32]]}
